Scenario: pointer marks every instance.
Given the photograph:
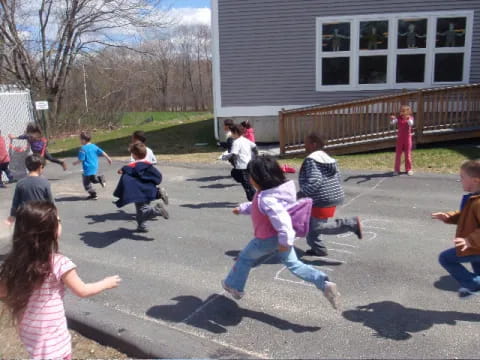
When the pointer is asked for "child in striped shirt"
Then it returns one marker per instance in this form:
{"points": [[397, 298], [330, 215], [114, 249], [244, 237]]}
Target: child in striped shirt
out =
{"points": [[33, 279]]}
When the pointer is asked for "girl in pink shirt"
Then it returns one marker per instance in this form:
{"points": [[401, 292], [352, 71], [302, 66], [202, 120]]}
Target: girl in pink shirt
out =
{"points": [[33, 278], [248, 130]]}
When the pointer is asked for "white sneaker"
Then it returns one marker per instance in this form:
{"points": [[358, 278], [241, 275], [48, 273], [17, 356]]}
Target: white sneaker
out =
{"points": [[464, 293], [237, 295], [332, 294], [410, 172]]}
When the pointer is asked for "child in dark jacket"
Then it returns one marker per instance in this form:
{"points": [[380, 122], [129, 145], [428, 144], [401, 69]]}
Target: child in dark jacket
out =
{"points": [[320, 180], [138, 185]]}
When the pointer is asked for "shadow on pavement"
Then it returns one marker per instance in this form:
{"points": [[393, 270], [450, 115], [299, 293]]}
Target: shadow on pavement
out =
{"points": [[211, 205], [210, 178], [218, 186], [391, 320], [120, 215], [447, 283], [218, 314], [101, 240], [368, 177]]}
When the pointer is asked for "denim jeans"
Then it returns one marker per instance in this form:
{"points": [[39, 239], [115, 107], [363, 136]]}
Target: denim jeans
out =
{"points": [[453, 264], [258, 248], [323, 226]]}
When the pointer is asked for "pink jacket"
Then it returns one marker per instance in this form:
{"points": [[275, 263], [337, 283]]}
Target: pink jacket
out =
{"points": [[4, 157], [250, 134]]}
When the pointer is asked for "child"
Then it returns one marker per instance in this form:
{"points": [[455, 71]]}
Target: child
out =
{"points": [[38, 144], [467, 237], [139, 136], [248, 131], [138, 184], [34, 187], [33, 277], [273, 230], [320, 180], [4, 162], [404, 138], [241, 153], [88, 156]]}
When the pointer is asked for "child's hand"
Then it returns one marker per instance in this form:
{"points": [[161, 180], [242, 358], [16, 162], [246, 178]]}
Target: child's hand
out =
{"points": [[10, 220], [109, 161], [441, 216], [119, 172], [392, 117], [236, 211], [462, 243], [283, 248], [112, 281], [11, 136]]}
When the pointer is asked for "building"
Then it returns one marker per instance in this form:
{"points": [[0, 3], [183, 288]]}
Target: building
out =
{"points": [[274, 54]]}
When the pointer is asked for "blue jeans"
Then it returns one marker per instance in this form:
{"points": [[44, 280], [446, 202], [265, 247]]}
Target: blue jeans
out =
{"points": [[453, 264], [258, 248]]}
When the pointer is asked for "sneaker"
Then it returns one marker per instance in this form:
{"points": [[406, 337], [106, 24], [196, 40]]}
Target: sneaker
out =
{"points": [[464, 293], [410, 172], [141, 229], [92, 196], [163, 195], [102, 181], [332, 294], [318, 253], [396, 173], [2, 186], [161, 210], [237, 295], [64, 165], [357, 228]]}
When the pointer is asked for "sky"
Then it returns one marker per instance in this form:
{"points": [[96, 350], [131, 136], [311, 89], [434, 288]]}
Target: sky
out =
{"points": [[188, 3], [189, 11]]}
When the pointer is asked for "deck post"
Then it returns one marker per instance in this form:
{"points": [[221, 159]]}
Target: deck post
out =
{"points": [[419, 117]]}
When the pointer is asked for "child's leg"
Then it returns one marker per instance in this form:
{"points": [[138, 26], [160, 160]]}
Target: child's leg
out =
{"points": [[453, 264], [314, 236], [8, 172], [87, 184], [304, 272], [245, 181], [476, 267], [255, 249], [408, 154], [398, 154]]}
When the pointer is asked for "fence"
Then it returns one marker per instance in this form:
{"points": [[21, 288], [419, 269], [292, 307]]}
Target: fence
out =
{"points": [[440, 114]]}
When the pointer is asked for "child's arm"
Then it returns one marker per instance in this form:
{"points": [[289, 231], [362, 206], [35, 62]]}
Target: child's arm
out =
{"points": [[310, 178], [244, 208], [104, 154], [76, 162], [79, 288], [410, 121], [447, 217], [393, 119], [280, 220]]}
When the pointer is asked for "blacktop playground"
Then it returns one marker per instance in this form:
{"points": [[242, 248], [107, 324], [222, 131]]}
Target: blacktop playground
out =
{"points": [[397, 300]]}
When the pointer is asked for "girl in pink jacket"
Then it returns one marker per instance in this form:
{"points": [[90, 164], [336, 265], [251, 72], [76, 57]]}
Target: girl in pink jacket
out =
{"points": [[404, 124], [248, 130]]}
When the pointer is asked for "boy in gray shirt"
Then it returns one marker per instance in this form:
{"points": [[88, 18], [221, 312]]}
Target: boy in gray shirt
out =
{"points": [[33, 187]]}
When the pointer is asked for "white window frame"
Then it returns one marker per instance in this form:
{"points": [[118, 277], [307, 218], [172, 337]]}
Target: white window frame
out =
{"points": [[392, 51]]}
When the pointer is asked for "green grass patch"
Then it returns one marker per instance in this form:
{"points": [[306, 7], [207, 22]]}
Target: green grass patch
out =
{"points": [[440, 158], [168, 133]]}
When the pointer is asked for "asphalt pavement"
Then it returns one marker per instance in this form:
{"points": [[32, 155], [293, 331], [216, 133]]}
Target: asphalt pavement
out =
{"points": [[397, 300]]}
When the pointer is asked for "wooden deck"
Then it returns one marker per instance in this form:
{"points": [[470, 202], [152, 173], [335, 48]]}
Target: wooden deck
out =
{"points": [[441, 114]]}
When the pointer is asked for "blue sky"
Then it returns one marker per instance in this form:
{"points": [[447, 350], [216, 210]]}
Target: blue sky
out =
{"points": [[188, 3]]}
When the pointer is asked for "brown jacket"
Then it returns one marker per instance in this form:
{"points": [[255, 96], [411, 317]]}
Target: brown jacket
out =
{"points": [[468, 225]]}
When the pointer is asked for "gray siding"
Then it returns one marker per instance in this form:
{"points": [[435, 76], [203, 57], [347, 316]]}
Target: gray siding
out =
{"points": [[267, 47]]}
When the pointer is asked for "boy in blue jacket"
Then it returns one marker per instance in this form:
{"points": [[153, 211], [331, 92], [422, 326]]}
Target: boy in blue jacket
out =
{"points": [[138, 185]]}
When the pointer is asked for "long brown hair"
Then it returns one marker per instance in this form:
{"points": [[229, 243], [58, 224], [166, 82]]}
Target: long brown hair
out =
{"points": [[29, 262]]}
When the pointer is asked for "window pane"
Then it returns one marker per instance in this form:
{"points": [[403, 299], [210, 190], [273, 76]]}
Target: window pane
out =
{"points": [[373, 70], [451, 32], [336, 71], [411, 68], [412, 33], [448, 67], [373, 35], [336, 37]]}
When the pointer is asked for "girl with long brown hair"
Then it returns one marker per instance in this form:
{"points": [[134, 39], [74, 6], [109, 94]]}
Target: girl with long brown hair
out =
{"points": [[33, 279]]}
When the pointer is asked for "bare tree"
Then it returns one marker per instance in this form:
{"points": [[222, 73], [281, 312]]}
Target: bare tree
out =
{"points": [[43, 58]]}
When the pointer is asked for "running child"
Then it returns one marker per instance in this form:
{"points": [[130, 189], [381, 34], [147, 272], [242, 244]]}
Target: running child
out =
{"points": [[273, 230], [139, 136], [467, 237], [320, 180], [88, 156], [34, 187], [4, 162], [38, 143], [33, 277], [404, 122], [248, 130], [138, 185], [241, 154]]}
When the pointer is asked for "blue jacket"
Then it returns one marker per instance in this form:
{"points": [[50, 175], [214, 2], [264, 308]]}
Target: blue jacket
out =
{"points": [[138, 184]]}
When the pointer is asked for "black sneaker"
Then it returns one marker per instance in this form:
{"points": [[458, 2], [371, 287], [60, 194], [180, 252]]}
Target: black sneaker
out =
{"points": [[92, 196], [318, 253], [141, 229], [102, 181]]}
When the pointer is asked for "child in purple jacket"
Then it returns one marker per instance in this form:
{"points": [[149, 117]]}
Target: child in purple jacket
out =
{"points": [[273, 230]]}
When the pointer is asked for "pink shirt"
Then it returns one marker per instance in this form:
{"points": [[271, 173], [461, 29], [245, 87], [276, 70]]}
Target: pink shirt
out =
{"points": [[4, 158], [250, 134], [263, 228], [43, 327]]}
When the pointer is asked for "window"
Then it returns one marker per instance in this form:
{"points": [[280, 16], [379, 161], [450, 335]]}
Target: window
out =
{"points": [[393, 51]]}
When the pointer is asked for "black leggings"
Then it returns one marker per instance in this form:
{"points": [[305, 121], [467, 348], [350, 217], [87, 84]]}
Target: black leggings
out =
{"points": [[242, 177], [51, 158]]}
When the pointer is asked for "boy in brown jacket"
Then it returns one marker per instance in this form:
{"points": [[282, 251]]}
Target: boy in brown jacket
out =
{"points": [[467, 237]]}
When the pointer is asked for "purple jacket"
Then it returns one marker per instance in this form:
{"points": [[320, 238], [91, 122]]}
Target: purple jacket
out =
{"points": [[274, 203]]}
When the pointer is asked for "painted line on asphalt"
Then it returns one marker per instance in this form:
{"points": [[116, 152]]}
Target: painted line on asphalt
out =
{"points": [[342, 244]]}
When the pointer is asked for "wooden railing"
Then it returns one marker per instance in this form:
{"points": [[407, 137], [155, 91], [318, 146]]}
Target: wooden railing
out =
{"points": [[440, 114]]}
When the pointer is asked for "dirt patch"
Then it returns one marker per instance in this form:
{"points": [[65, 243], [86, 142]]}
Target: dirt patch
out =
{"points": [[83, 348]]}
